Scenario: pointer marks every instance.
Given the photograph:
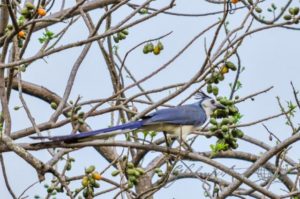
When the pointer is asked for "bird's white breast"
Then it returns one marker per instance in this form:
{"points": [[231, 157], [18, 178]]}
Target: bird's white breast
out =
{"points": [[181, 131]]}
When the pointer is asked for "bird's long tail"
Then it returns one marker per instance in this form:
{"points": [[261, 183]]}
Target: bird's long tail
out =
{"points": [[75, 137]]}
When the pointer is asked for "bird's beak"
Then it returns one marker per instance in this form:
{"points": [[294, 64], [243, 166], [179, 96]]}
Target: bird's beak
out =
{"points": [[220, 106]]}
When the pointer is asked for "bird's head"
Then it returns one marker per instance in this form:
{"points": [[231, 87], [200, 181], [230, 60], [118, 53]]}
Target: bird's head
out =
{"points": [[208, 104]]}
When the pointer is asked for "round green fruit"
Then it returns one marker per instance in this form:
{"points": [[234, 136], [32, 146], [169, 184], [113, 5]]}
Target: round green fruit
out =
{"points": [[130, 165], [296, 10], [121, 36], [230, 65], [85, 181], [287, 17], [25, 12], [53, 105], [215, 90], [115, 173], [130, 172], [116, 39], [156, 50], [90, 169], [213, 121], [258, 9], [225, 121], [150, 47], [125, 31], [224, 128], [213, 128], [160, 45], [209, 88], [145, 50], [29, 5]]}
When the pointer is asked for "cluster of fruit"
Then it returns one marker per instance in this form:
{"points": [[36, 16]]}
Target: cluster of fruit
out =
{"points": [[133, 173], [29, 10], [89, 181], [221, 120], [69, 163], [74, 114], [120, 35], [21, 34], [53, 190], [149, 47], [143, 11], [26, 13], [235, 1], [217, 76], [159, 172], [293, 11]]}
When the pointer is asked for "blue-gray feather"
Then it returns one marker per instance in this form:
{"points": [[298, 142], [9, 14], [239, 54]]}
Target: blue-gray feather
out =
{"points": [[192, 114]]}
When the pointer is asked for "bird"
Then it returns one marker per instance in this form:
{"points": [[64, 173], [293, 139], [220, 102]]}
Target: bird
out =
{"points": [[179, 121]]}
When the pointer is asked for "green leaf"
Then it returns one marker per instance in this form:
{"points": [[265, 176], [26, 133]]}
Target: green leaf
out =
{"points": [[42, 40], [47, 36], [145, 134], [16, 108], [237, 117], [153, 134]]}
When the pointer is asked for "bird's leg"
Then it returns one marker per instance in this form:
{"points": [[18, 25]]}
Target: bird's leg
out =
{"points": [[166, 139], [169, 142], [189, 147], [183, 143]]}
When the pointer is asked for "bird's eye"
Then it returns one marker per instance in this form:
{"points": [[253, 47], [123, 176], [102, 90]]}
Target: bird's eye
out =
{"points": [[212, 101]]}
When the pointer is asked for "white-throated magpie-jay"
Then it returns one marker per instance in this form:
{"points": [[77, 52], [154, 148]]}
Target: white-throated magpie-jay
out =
{"points": [[179, 121]]}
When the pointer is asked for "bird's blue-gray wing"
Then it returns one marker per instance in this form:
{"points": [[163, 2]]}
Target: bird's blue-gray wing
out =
{"points": [[191, 114]]}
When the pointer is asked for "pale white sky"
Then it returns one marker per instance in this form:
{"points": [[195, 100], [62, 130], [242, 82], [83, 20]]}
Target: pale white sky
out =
{"points": [[270, 57]]}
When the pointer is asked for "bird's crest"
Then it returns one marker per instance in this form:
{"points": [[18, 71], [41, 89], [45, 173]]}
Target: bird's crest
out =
{"points": [[201, 96]]}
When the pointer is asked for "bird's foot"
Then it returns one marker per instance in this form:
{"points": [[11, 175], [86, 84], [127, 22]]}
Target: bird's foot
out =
{"points": [[188, 147], [185, 145]]}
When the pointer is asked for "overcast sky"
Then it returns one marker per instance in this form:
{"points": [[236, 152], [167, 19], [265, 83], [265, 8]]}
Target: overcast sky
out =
{"points": [[271, 58]]}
